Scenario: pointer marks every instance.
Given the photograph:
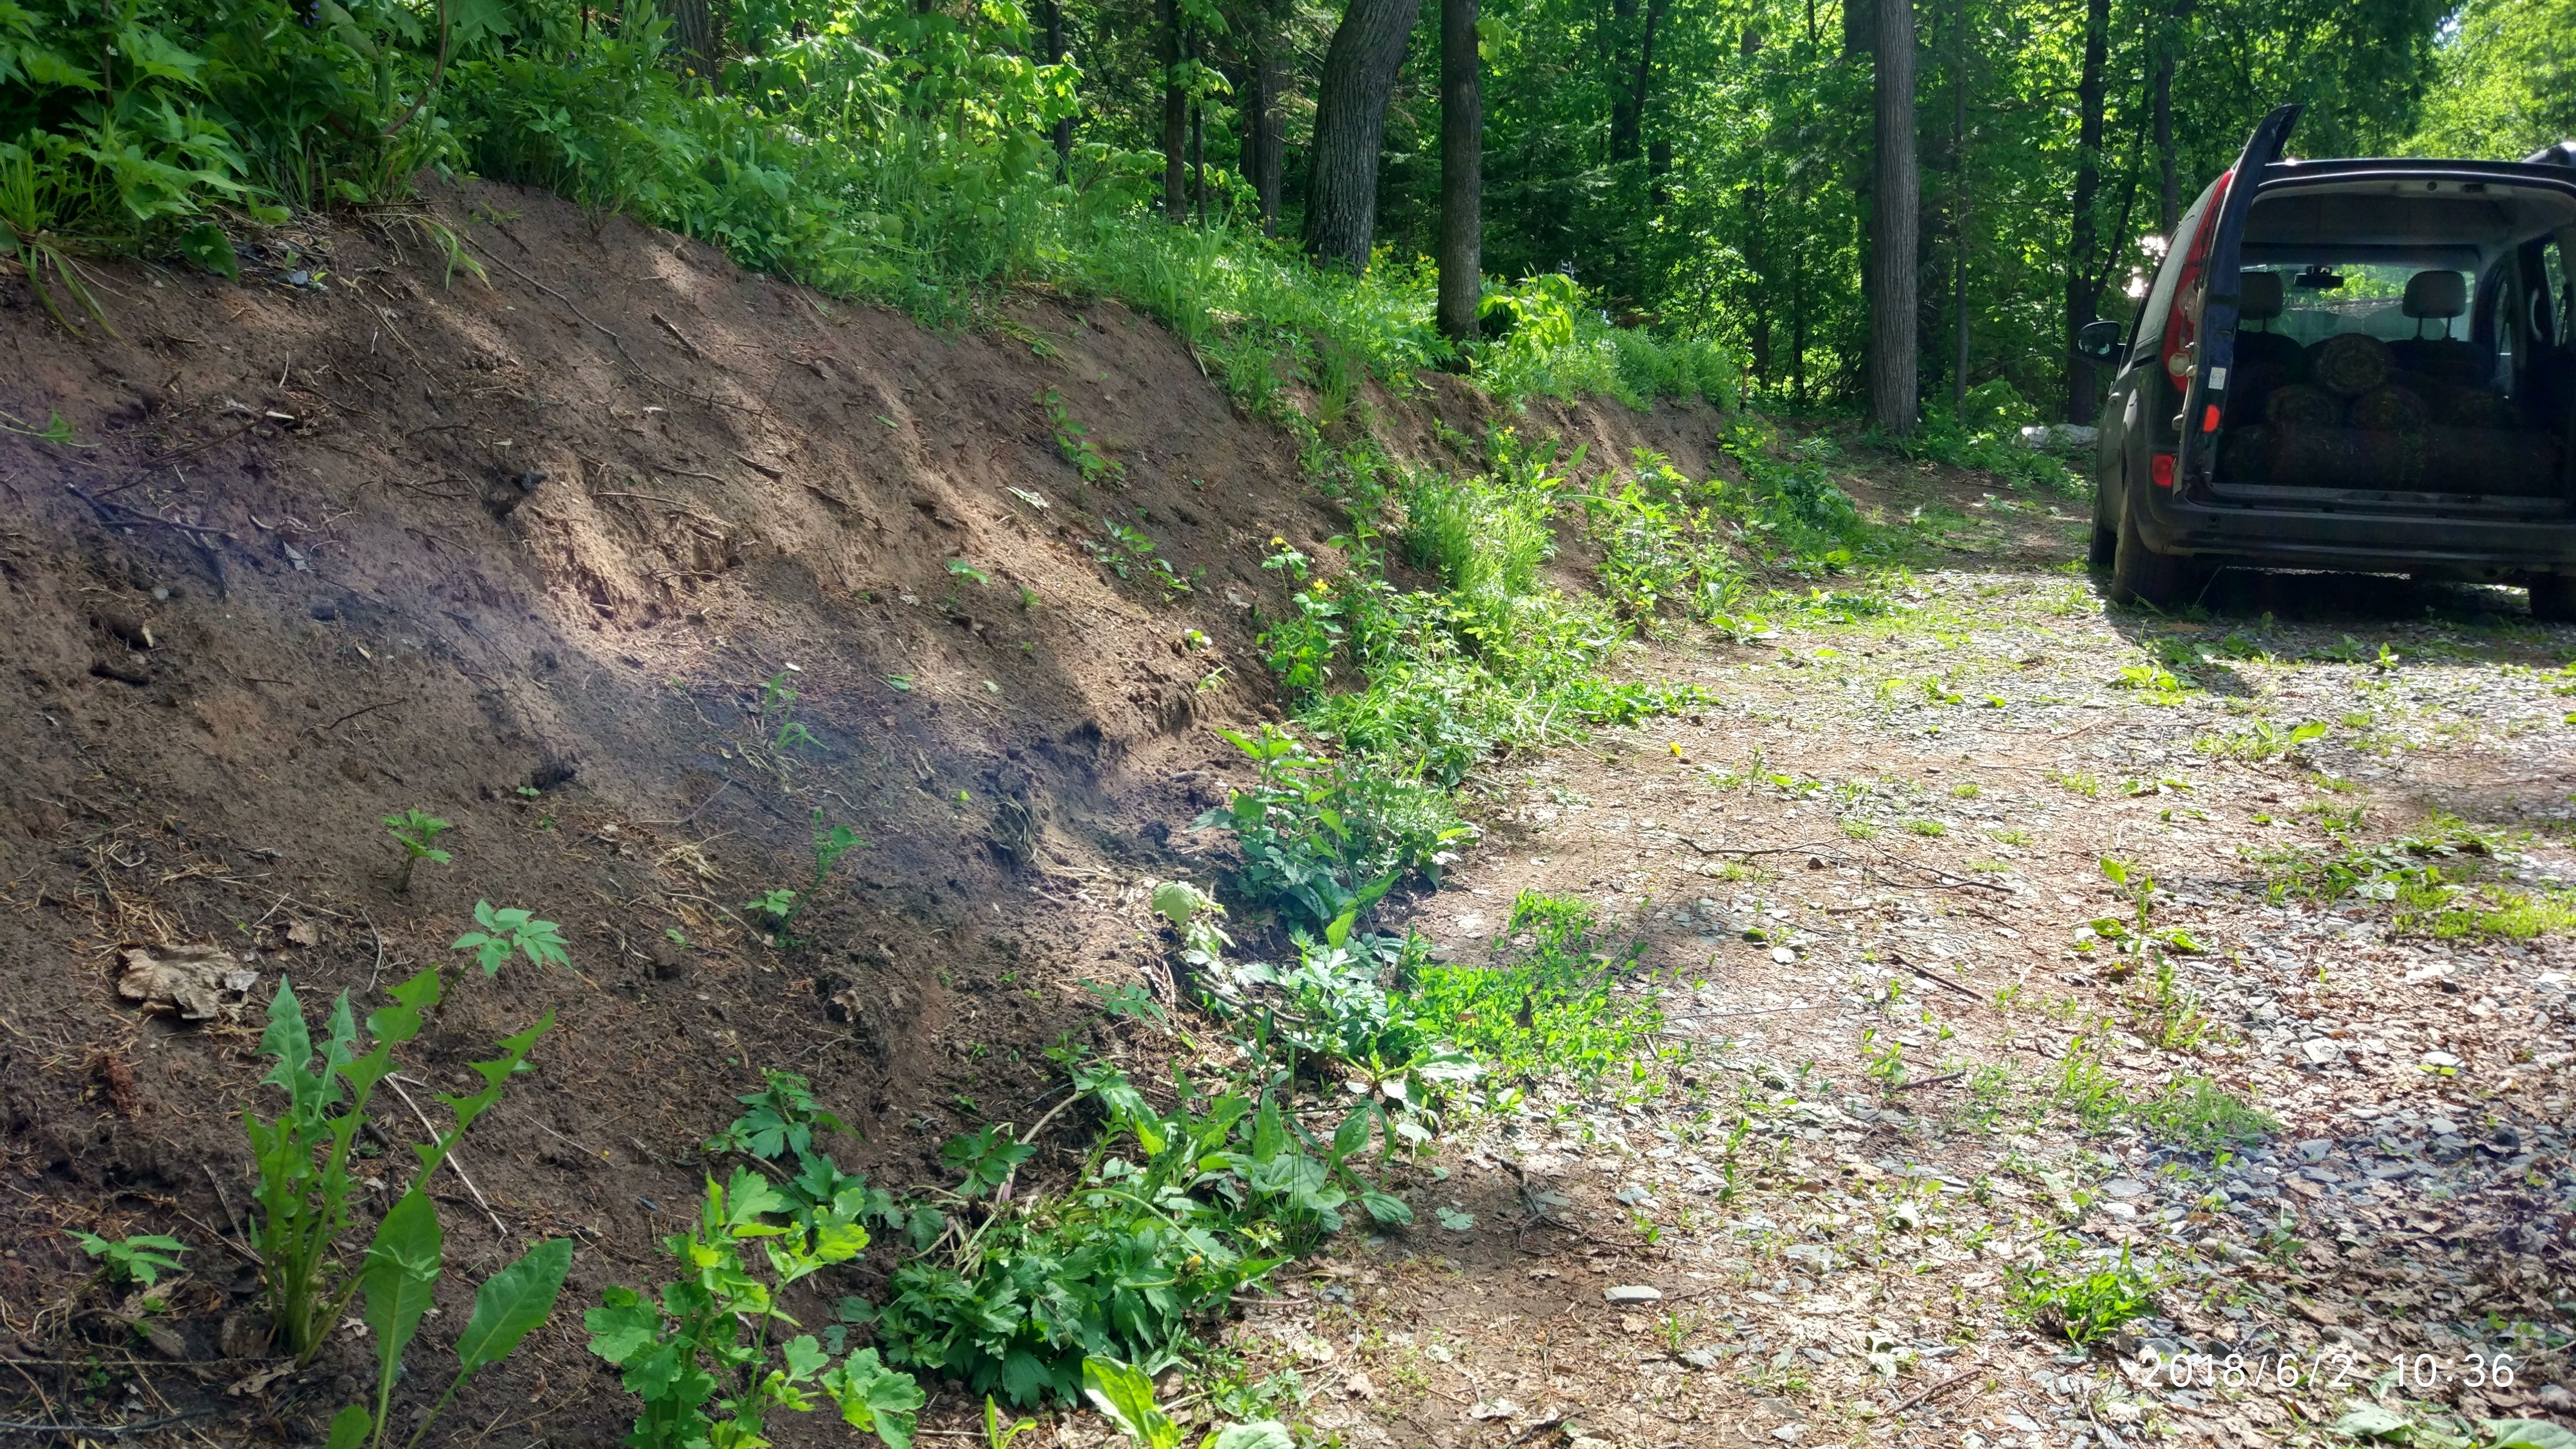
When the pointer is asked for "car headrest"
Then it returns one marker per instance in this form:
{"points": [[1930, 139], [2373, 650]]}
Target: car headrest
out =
{"points": [[2436, 294], [2258, 296]]}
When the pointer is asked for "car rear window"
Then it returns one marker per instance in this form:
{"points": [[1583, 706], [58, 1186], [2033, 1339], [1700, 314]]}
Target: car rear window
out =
{"points": [[2325, 299]]}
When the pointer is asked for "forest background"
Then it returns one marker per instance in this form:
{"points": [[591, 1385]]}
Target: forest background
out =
{"points": [[1646, 197]]}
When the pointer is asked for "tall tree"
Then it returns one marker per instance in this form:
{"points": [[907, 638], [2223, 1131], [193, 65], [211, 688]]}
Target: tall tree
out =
{"points": [[1264, 138], [1053, 14], [1176, 118], [2083, 292], [1896, 216], [1960, 214], [1350, 127], [697, 27], [2168, 36], [1462, 171]]}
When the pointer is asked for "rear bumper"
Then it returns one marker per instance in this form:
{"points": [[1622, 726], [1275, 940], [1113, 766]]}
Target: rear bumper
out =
{"points": [[2365, 534]]}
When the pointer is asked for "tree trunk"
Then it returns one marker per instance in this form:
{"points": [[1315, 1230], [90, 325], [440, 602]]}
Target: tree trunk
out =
{"points": [[1350, 127], [2080, 290], [1959, 242], [2169, 197], [1462, 171], [1176, 119], [697, 27], [1263, 147], [1895, 223], [1054, 15]]}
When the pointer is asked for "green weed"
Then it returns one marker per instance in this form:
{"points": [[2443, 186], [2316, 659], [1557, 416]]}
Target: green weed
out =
{"points": [[509, 932], [417, 833], [2082, 1309], [136, 1259], [699, 1354], [2260, 740], [306, 1193], [777, 909]]}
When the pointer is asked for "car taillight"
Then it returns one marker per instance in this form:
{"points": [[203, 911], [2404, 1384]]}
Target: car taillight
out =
{"points": [[2182, 342], [2160, 467]]}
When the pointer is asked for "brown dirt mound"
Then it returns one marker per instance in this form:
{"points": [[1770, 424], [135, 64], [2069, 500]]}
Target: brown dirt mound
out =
{"points": [[345, 541]]}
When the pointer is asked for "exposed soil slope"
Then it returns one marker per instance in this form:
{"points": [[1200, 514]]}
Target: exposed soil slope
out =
{"points": [[353, 538]]}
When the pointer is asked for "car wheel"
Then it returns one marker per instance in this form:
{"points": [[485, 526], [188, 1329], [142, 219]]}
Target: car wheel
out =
{"points": [[2553, 598], [2105, 546], [2140, 575]]}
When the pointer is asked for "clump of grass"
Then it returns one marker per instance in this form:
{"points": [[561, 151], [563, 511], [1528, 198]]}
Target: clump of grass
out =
{"points": [[2076, 782], [1550, 1009], [2206, 1117], [2082, 1308]]}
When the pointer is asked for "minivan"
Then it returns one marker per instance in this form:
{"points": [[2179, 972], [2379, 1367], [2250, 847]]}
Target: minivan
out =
{"points": [[2355, 365]]}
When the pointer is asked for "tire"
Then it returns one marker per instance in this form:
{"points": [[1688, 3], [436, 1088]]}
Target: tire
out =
{"points": [[2553, 598], [2105, 544], [2140, 575]]}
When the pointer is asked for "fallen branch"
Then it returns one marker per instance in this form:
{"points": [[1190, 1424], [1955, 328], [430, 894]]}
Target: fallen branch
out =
{"points": [[110, 1431], [1942, 1387]]}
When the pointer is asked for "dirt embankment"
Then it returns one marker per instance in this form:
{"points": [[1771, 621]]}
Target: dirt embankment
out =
{"points": [[353, 538]]}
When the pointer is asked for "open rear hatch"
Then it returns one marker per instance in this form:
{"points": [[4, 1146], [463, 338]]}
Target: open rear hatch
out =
{"points": [[2397, 339]]}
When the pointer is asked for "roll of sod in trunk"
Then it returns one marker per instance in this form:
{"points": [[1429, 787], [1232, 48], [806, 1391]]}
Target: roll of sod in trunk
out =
{"points": [[2334, 457], [2245, 454], [2391, 408], [2302, 405], [2470, 408], [2508, 462], [2352, 363]]}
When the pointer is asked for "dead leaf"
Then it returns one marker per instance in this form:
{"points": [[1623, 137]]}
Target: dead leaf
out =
{"points": [[259, 1382], [196, 983], [303, 933]]}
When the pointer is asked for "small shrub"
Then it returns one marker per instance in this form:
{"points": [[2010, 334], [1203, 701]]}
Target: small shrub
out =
{"points": [[136, 1259]]}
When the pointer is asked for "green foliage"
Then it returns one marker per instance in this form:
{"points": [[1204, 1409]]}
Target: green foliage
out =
{"points": [[1659, 550], [2082, 1308], [2505, 84], [1320, 838], [136, 1259], [778, 909], [1128, 1261], [1547, 1009], [398, 1281], [2259, 740], [2202, 1115], [415, 832], [1073, 440], [511, 932], [305, 1187], [699, 1354], [1494, 658], [1126, 1396]]}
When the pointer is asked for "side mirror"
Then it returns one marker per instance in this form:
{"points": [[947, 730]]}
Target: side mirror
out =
{"points": [[2099, 341]]}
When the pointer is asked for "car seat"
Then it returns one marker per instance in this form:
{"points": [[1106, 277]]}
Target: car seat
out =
{"points": [[2441, 296], [2265, 360]]}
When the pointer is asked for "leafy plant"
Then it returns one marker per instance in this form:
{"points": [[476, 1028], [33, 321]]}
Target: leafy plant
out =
{"points": [[305, 1189], [401, 1273], [2084, 1308], [1319, 839], [776, 717], [700, 1356], [511, 932], [417, 832], [1126, 1396], [779, 908], [136, 1259], [1073, 440]]}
